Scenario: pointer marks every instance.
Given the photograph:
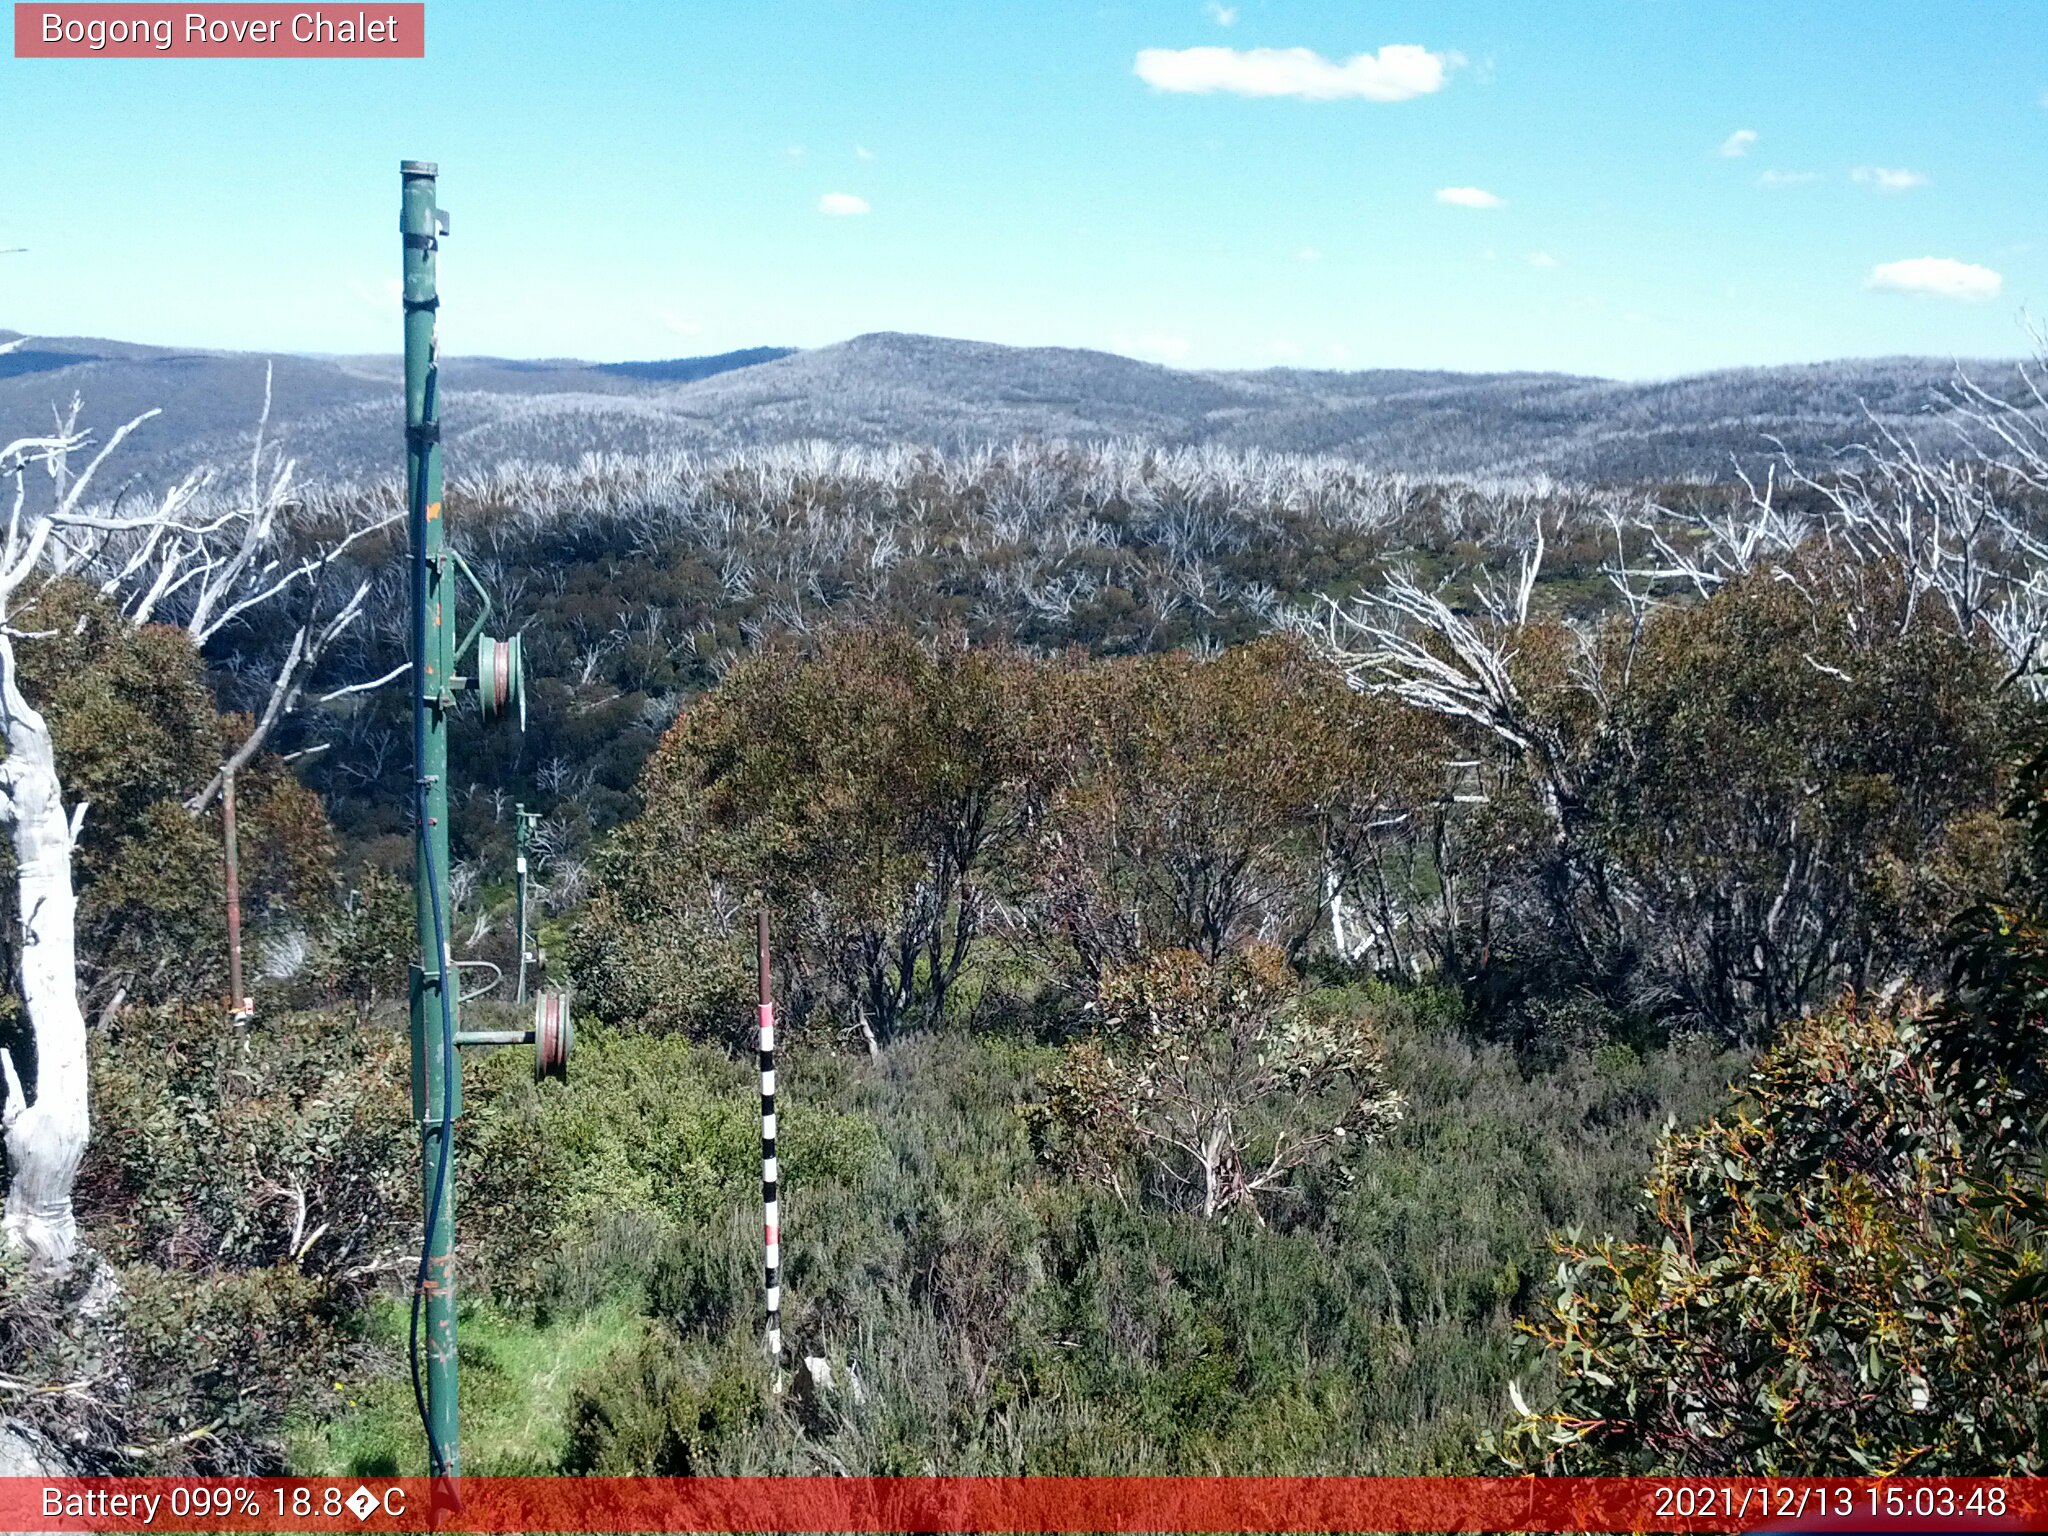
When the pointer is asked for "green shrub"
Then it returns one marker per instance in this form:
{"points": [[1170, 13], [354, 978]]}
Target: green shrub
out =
{"points": [[650, 1135], [981, 1314], [1837, 1284], [1218, 1080], [217, 1363], [656, 1411], [139, 1369], [223, 1146], [372, 941]]}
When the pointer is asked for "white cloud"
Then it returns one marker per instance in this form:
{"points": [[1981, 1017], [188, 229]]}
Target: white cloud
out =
{"points": [[1888, 181], [1284, 348], [1469, 197], [1543, 261], [1308, 253], [681, 325], [1397, 72], [1936, 275], [842, 205], [1738, 143], [1787, 178], [1167, 348], [862, 152], [1222, 15]]}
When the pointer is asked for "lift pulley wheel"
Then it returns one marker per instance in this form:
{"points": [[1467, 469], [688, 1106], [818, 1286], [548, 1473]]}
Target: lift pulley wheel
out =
{"points": [[553, 1035], [500, 678]]}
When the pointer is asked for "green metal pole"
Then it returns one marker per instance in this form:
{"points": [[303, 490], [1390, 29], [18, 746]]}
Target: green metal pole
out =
{"points": [[436, 1072]]}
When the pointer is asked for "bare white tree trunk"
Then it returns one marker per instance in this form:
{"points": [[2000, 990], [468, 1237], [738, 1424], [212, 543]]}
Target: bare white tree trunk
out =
{"points": [[1333, 892], [46, 1134]]}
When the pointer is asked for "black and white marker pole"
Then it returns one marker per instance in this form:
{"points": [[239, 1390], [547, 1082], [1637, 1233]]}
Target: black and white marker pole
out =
{"points": [[771, 1205]]}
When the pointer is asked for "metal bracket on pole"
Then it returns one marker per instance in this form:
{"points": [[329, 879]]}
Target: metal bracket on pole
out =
{"points": [[483, 616]]}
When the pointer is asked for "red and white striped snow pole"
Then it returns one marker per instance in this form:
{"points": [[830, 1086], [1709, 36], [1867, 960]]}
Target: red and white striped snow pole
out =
{"points": [[771, 1205]]}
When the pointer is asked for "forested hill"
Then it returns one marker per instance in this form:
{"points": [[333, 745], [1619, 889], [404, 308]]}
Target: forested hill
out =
{"points": [[336, 413]]}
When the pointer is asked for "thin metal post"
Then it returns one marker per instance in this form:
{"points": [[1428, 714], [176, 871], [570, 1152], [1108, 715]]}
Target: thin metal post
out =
{"points": [[436, 1070], [522, 837], [771, 1204], [238, 1005]]}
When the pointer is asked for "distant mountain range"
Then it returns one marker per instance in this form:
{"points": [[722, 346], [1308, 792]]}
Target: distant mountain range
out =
{"points": [[339, 415]]}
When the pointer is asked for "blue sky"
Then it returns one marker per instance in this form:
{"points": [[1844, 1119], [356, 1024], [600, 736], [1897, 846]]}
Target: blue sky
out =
{"points": [[645, 180]]}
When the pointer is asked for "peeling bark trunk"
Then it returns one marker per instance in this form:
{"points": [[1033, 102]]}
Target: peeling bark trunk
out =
{"points": [[46, 1120]]}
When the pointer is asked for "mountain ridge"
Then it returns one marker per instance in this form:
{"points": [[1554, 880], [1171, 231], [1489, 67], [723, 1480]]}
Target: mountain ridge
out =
{"points": [[336, 413]]}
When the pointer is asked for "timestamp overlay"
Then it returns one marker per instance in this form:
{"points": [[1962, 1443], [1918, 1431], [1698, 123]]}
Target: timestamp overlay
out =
{"points": [[1170, 1504]]}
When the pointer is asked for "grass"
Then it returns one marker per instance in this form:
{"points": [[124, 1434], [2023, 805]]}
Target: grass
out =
{"points": [[518, 1379]]}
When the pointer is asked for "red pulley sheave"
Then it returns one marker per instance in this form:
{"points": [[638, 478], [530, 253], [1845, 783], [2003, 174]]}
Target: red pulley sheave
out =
{"points": [[500, 680], [553, 1035]]}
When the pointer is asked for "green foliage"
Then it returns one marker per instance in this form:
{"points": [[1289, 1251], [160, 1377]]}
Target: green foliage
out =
{"points": [[856, 790], [646, 953], [650, 1136], [1994, 1048], [137, 1369], [241, 1147], [1793, 786], [1765, 796], [1197, 803], [136, 732], [1853, 1273], [372, 941], [979, 1317], [225, 1357], [1220, 1079], [1839, 1286], [887, 796], [244, 1188], [655, 1411]]}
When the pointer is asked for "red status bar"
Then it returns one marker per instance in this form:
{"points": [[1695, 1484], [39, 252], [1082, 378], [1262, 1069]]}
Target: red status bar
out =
{"points": [[1166, 1504]]}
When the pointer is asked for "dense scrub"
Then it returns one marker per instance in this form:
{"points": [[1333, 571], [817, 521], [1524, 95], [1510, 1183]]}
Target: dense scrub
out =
{"points": [[982, 1312], [1195, 1033], [1835, 1280], [1764, 800], [1851, 1271], [998, 1318], [638, 582], [245, 1198]]}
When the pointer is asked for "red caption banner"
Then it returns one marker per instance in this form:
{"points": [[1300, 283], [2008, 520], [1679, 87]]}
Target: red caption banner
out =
{"points": [[237, 31], [1050, 1504]]}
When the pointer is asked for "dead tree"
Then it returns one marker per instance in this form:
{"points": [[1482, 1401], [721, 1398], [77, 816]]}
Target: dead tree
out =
{"points": [[196, 560], [206, 560]]}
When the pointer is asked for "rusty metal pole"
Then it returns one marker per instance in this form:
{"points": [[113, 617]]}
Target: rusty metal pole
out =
{"points": [[238, 1006]]}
